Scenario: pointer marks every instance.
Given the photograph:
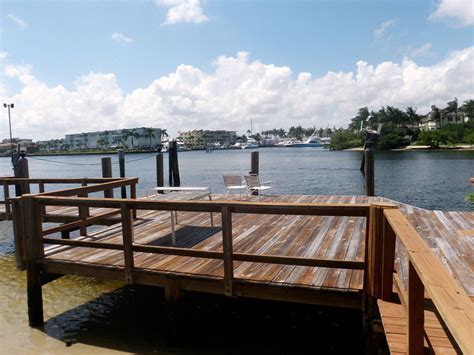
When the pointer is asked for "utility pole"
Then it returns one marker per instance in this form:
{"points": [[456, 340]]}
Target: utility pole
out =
{"points": [[10, 106]]}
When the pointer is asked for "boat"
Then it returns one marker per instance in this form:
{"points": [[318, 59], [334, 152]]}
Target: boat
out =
{"points": [[312, 141], [250, 144]]}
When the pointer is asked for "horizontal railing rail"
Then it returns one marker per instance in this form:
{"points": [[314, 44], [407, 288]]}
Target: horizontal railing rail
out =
{"points": [[426, 275], [7, 181]]}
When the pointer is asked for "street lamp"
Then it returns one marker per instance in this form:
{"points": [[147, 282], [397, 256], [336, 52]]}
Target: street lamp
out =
{"points": [[9, 106]]}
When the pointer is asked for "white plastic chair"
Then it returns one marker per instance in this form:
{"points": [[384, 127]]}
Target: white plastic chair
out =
{"points": [[233, 182], [254, 184]]}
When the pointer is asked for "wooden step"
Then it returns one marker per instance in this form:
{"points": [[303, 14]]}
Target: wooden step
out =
{"points": [[394, 319]]}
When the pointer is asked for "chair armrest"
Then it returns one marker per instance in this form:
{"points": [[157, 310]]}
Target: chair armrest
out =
{"points": [[266, 182]]}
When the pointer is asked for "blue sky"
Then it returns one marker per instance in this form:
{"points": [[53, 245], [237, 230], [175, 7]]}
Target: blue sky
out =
{"points": [[63, 41]]}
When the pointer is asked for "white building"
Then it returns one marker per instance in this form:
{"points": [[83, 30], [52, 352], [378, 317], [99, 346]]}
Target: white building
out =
{"points": [[200, 139], [128, 138]]}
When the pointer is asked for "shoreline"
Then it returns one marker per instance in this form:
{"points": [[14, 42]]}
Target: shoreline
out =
{"points": [[419, 148]]}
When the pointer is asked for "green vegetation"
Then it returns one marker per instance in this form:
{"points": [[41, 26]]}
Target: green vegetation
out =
{"points": [[401, 128], [346, 139]]}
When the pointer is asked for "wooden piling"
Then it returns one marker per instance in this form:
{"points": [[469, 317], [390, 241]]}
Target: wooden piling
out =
{"points": [[254, 167], [254, 164], [173, 166], [369, 172], [160, 173], [107, 172], [34, 250], [121, 159], [25, 173]]}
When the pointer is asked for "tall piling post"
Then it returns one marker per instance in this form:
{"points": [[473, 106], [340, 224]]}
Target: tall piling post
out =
{"points": [[160, 171], [369, 170], [254, 167], [24, 173], [121, 159], [173, 166], [106, 163]]}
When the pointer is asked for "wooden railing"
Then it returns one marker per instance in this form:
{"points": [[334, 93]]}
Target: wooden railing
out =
{"points": [[36, 237], [426, 275], [21, 216], [26, 183]]}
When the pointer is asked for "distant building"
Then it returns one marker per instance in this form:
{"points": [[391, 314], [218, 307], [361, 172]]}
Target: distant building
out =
{"points": [[144, 138], [429, 122], [201, 139], [51, 145]]}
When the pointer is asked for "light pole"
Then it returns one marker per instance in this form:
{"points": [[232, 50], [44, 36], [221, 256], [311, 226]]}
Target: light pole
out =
{"points": [[9, 106]]}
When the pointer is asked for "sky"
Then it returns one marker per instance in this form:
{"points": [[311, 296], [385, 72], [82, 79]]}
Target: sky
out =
{"points": [[78, 66]]}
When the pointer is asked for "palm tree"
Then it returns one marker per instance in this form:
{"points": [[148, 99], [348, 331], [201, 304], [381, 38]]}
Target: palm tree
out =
{"points": [[452, 108], [130, 133], [118, 141], [163, 134], [150, 134], [412, 116], [468, 109], [101, 142]]}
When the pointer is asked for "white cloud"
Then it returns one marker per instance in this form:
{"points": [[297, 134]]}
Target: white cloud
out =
{"points": [[18, 21], [3, 55], [121, 38], [462, 11], [188, 11], [381, 31], [422, 51], [235, 91]]}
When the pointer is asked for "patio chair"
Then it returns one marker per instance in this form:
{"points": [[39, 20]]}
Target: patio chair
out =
{"points": [[233, 182], [254, 184]]}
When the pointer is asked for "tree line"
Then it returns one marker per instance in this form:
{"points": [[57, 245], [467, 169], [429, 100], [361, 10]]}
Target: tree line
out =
{"points": [[400, 128]]}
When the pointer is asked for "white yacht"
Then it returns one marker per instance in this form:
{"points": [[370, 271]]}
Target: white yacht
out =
{"points": [[250, 144]]}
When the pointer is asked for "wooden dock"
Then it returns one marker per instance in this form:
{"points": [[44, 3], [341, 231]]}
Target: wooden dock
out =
{"points": [[342, 251]]}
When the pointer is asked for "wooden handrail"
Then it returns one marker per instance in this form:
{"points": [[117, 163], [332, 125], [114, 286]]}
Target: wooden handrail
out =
{"points": [[303, 209], [15, 180], [450, 298], [226, 208], [92, 188]]}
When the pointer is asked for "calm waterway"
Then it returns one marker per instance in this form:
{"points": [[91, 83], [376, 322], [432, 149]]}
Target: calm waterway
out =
{"points": [[100, 316]]}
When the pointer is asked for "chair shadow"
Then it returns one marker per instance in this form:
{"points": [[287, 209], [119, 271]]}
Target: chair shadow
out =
{"points": [[186, 236]]}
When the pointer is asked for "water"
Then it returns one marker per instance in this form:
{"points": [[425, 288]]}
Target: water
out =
{"points": [[433, 180], [101, 316]]}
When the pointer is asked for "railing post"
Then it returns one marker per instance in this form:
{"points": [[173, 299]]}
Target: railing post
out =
{"points": [[34, 251], [375, 252], [127, 233], [227, 251], [133, 196], [388, 260], [416, 315], [121, 159], [83, 212], [6, 195], [41, 190]]}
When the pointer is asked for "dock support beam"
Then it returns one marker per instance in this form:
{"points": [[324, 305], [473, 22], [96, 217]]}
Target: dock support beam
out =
{"points": [[34, 295]]}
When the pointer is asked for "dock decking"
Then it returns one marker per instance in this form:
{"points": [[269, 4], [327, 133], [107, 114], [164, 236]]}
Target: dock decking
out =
{"points": [[330, 237], [344, 251]]}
